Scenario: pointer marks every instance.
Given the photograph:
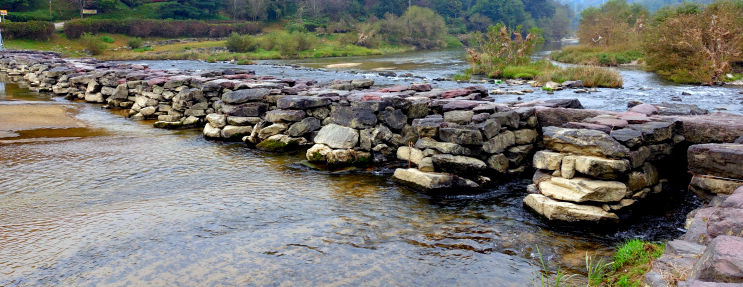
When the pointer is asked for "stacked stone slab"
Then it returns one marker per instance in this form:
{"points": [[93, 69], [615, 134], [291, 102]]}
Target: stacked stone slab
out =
{"points": [[597, 169], [717, 169]]}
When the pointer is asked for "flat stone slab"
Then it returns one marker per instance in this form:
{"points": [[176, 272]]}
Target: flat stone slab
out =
{"points": [[583, 189], [337, 137], [431, 181], [722, 160], [583, 142], [566, 211], [712, 128]]}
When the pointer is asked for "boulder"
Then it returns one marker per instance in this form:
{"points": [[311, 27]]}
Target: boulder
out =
{"points": [[644, 109], [302, 103], [216, 120], [212, 132], [243, 121], [459, 117], [525, 136], [251, 109], [357, 118], [601, 167], [461, 136], [722, 261], [655, 132], [548, 160], [671, 109], [566, 211], [557, 117], [519, 154], [318, 153], [362, 83], [337, 137], [722, 160], [426, 165], [277, 116], [418, 110], [583, 142], [236, 132], [271, 130], [499, 143], [455, 93], [507, 119], [709, 223], [245, 95], [341, 157], [427, 127], [583, 189], [431, 182], [458, 164], [305, 126], [447, 148], [414, 155], [735, 200], [94, 98], [628, 137], [394, 119], [498, 162], [712, 128], [490, 128]]}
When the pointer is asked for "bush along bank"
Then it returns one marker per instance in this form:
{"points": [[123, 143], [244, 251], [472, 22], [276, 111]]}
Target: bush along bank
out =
{"points": [[158, 28], [34, 30]]}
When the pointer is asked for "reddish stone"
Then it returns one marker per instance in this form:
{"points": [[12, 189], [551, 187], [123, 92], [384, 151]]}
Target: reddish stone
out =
{"points": [[421, 87], [394, 89], [157, 81], [616, 123], [574, 125], [121, 81], [636, 119], [371, 98], [644, 109], [455, 93], [477, 89], [138, 67], [239, 77], [460, 105]]}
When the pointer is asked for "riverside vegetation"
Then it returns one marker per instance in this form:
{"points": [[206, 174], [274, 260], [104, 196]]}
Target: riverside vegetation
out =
{"points": [[685, 43]]}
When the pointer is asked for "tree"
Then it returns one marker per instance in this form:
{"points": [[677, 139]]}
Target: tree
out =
{"points": [[509, 12], [14, 4], [478, 22]]}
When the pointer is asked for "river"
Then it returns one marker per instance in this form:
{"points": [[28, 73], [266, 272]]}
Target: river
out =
{"points": [[126, 204]]}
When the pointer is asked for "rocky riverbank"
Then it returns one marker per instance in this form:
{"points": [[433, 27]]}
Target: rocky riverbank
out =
{"points": [[591, 166]]}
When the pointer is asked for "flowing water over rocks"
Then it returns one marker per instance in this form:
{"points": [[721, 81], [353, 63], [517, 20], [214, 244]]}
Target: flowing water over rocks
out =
{"points": [[136, 205]]}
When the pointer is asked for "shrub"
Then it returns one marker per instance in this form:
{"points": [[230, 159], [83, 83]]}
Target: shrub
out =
{"points": [[296, 28], [591, 76], [107, 39], [269, 42], [157, 28], [34, 30], [135, 43], [501, 47], [286, 45], [92, 44], [305, 41], [241, 44], [686, 46]]}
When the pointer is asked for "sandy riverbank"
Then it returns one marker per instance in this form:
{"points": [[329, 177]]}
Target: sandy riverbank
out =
{"points": [[15, 118]]}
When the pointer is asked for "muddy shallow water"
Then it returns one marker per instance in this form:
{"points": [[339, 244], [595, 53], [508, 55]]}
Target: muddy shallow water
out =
{"points": [[127, 204]]}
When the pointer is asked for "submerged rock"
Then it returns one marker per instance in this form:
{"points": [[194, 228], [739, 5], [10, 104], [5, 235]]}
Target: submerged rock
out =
{"points": [[566, 211]]}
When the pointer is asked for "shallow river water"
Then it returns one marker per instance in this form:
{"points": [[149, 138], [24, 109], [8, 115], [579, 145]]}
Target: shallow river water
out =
{"points": [[127, 204]]}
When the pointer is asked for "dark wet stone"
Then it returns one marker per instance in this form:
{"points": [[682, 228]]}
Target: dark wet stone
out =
{"points": [[245, 110], [628, 137], [723, 160], [461, 136], [302, 103], [357, 118], [243, 96], [395, 119]]}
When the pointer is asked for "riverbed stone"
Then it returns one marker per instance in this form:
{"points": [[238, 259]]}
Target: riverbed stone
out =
{"points": [[318, 153], [567, 211], [94, 98], [518, 154], [427, 127], [458, 164], [629, 137], [430, 181], [337, 137], [723, 160], [461, 136], [236, 132], [583, 189], [243, 121], [548, 160], [459, 117], [655, 132], [212, 132], [413, 154], [418, 109], [601, 167], [722, 261], [272, 130], [710, 223], [715, 185], [362, 83], [583, 142], [509, 119], [490, 128], [499, 143]]}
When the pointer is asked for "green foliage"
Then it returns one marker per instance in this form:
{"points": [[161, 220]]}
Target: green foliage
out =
{"points": [[241, 44], [511, 13], [614, 23], [92, 44], [34, 30], [145, 49], [295, 27], [543, 276], [501, 47], [635, 252], [596, 270], [157, 28], [269, 42], [591, 76], [135, 43], [521, 72], [592, 55], [107, 39], [305, 41]]}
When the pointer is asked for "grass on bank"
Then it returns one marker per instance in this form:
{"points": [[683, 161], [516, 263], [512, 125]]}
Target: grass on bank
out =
{"points": [[544, 71], [597, 56]]}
